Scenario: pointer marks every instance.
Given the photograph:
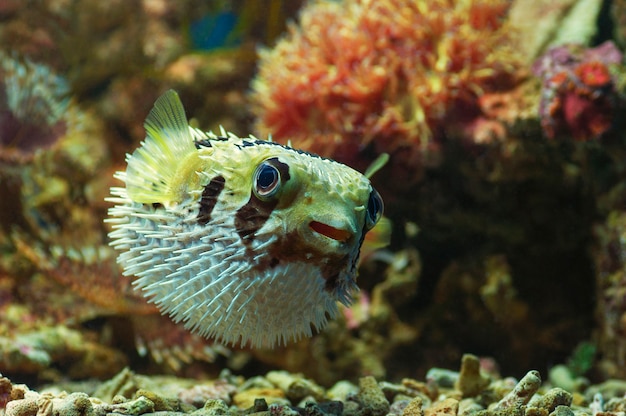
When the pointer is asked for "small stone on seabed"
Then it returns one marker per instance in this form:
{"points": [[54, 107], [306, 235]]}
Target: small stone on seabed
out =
{"points": [[158, 395], [414, 408], [522, 392], [371, 397], [444, 407], [471, 382]]}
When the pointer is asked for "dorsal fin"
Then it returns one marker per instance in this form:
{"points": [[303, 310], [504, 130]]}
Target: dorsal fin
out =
{"points": [[154, 172]]}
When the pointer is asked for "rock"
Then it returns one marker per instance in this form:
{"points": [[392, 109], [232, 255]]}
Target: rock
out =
{"points": [[443, 407], [414, 408], [246, 398], [295, 386], [552, 399], [471, 382], [522, 393], [341, 390], [213, 407], [371, 397]]}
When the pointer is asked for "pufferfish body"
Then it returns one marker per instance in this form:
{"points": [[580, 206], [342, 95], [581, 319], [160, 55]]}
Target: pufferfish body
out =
{"points": [[243, 240]]}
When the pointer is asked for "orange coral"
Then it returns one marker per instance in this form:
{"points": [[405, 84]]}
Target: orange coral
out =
{"points": [[360, 77]]}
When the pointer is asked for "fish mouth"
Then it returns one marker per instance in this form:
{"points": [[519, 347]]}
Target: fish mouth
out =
{"points": [[330, 231]]}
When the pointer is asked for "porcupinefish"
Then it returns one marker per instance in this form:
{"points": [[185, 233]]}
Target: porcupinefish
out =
{"points": [[242, 240]]}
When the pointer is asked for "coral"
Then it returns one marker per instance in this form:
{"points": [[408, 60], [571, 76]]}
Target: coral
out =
{"points": [[545, 23], [245, 399], [30, 352], [551, 399], [220, 389], [527, 195], [449, 406], [58, 268], [360, 77], [618, 14], [371, 397], [413, 408], [610, 262], [379, 333], [59, 149], [522, 393], [578, 95], [296, 388], [33, 106], [214, 407], [470, 381]]}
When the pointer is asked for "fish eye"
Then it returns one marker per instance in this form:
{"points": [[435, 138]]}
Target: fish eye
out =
{"points": [[266, 180], [374, 209]]}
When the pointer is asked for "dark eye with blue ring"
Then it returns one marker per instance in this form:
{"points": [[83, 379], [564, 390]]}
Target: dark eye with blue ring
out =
{"points": [[266, 180], [374, 209]]}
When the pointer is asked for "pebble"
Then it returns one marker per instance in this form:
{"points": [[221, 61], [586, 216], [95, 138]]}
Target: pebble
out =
{"points": [[444, 407], [470, 381], [371, 397], [246, 398], [275, 395], [341, 390], [296, 387], [414, 408]]}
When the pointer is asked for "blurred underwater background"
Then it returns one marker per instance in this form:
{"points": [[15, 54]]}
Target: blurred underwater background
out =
{"points": [[505, 187]]}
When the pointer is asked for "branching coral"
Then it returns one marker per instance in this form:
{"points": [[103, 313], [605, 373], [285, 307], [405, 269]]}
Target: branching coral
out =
{"points": [[363, 76]]}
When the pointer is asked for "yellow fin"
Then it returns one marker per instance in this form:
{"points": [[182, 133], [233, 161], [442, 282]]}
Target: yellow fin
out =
{"points": [[158, 170]]}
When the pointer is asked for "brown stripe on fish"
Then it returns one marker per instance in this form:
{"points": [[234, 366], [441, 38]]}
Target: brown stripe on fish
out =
{"points": [[210, 195], [250, 218]]}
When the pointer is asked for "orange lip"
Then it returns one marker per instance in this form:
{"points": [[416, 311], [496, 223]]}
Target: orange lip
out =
{"points": [[330, 232]]}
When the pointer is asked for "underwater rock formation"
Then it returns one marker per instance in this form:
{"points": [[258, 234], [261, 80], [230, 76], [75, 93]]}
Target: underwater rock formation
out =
{"points": [[56, 266], [610, 261]]}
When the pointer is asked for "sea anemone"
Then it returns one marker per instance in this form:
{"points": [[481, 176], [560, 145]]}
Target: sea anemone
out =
{"points": [[357, 78]]}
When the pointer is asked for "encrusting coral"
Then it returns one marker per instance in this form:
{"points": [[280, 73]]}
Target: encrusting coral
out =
{"points": [[579, 93], [56, 268], [360, 77]]}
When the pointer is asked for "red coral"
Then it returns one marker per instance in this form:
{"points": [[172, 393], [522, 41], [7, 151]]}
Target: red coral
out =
{"points": [[594, 74], [357, 78], [578, 92]]}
